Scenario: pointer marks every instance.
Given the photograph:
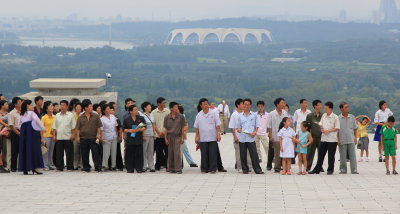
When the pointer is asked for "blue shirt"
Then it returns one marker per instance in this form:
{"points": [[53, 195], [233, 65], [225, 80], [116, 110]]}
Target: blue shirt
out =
{"points": [[248, 124]]}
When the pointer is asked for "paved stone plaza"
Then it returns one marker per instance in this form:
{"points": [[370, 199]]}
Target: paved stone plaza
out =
{"points": [[192, 192]]}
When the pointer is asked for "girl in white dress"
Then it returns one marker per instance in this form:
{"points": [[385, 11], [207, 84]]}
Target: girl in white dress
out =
{"points": [[287, 138]]}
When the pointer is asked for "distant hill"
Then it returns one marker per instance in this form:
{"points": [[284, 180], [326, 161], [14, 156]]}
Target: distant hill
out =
{"points": [[146, 33]]}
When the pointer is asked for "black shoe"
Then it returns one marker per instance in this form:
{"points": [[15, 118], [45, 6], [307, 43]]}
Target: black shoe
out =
{"points": [[130, 171], [139, 171], [313, 172], [380, 159], [204, 172], [99, 170], [260, 173], [85, 170], [193, 165], [260, 161], [245, 172], [293, 161], [322, 170], [13, 170], [355, 173], [235, 166], [224, 132], [277, 171], [213, 172], [329, 173], [269, 168], [37, 172], [3, 170], [222, 170], [25, 172], [152, 170]]}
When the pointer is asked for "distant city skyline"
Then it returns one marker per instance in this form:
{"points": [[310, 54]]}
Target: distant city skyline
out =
{"points": [[178, 10]]}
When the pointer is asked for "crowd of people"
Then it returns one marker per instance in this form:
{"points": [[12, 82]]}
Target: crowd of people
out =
{"points": [[38, 135]]}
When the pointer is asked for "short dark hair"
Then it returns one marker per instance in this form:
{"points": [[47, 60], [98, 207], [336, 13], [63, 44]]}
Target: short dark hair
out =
{"points": [[72, 104], [104, 107], [260, 102], [37, 98], [103, 102], [342, 104], [2, 102], [172, 104], [287, 106], [86, 103], [112, 103], [64, 101], [381, 103], [302, 101], [145, 104], [55, 104], [128, 100], [238, 101], [329, 104], [248, 100], [15, 100], [95, 106], [160, 100], [391, 119], [201, 101], [278, 100], [316, 102], [46, 105], [130, 108]]}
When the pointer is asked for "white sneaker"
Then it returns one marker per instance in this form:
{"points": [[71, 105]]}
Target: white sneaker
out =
{"points": [[366, 159], [360, 160]]}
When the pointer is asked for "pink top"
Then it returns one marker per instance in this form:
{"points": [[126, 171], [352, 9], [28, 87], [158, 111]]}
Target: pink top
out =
{"points": [[262, 130]]}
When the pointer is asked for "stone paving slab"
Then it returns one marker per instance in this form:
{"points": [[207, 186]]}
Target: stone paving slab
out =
{"points": [[192, 192]]}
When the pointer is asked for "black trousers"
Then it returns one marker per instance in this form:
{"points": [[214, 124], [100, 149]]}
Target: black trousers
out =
{"points": [[209, 156], [161, 153], [134, 157], [87, 146], [14, 150], [251, 146], [330, 148], [68, 147], [219, 160], [270, 154]]}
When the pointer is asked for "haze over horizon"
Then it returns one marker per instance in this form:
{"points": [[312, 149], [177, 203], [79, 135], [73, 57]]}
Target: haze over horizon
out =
{"points": [[177, 10]]}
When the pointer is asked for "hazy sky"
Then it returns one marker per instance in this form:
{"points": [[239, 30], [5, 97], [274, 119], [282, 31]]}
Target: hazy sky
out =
{"points": [[187, 9]]}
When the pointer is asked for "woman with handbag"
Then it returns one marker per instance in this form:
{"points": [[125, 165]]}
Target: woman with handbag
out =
{"points": [[30, 153], [48, 143]]}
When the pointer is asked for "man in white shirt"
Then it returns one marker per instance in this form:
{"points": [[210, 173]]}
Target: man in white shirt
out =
{"points": [[232, 124], [330, 125], [224, 114], [207, 126], [261, 137], [300, 114], [274, 119]]}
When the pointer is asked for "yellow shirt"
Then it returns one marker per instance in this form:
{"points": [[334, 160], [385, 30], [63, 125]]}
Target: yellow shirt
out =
{"points": [[362, 130], [48, 124]]}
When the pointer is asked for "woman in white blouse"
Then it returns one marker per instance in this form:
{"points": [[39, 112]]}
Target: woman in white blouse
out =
{"points": [[380, 119], [30, 153], [110, 131]]}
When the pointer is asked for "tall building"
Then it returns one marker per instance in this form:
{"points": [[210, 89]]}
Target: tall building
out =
{"points": [[389, 12]]}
